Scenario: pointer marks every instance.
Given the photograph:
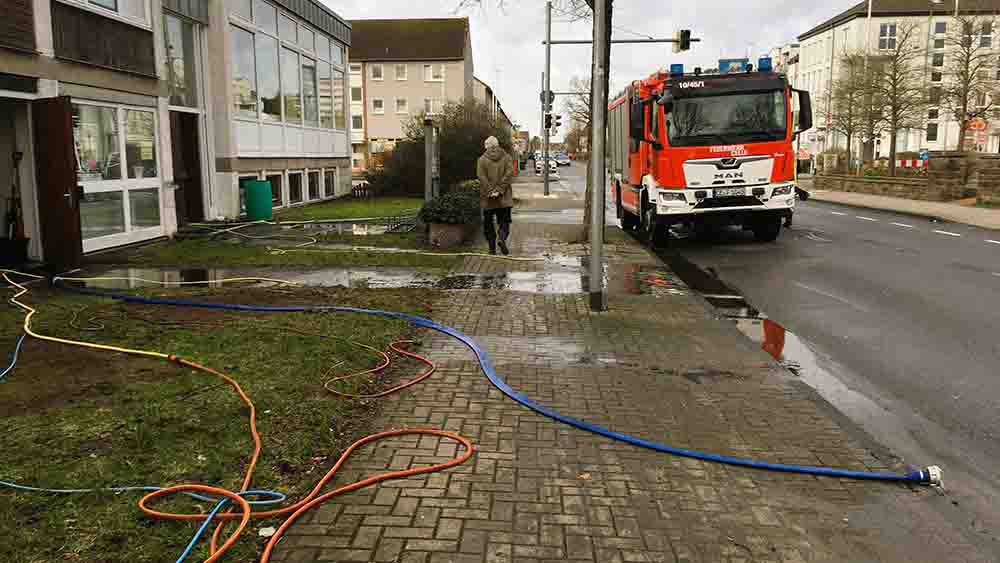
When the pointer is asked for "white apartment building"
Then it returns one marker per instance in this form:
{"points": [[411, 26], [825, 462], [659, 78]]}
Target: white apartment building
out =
{"points": [[821, 48]]}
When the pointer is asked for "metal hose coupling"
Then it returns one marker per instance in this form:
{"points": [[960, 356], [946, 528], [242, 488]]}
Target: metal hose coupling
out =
{"points": [[930, 476]]}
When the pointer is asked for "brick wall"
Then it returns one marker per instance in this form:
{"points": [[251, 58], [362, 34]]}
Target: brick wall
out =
{"points": [[895, 187]]}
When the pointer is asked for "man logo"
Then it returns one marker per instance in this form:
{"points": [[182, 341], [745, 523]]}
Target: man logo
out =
{"points": [[729, 176], [728, 162]]}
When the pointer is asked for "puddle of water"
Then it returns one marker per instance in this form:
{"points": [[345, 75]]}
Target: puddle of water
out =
{"points": [[356, 229]]}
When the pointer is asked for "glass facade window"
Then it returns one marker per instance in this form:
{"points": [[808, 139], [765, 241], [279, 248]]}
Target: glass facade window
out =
{"points": [[290, 86], [357, 122], [131, 9], [242, 9], [310, 96], [932, 131], [325, 97], [314, 187], [244, 74], [102, 214], [337, 55], [140, 144], [322, 47], [294, 187], [356, 93], [307, 39], [97, 143], [178, 35], [266, 17], [287, 30], [270, 79], [330, 182], [339, 103], [940, 27], [144, 206], [276, 186]]}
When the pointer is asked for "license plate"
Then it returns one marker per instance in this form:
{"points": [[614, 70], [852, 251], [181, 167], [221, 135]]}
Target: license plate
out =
{"points": [[730, 192]]}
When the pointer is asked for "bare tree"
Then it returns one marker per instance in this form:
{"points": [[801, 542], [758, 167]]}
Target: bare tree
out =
{"points": [[847, 100], [968, 88], [577, 105], [900, 84]]}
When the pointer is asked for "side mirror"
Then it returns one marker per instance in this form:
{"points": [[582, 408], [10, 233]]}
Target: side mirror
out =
{"points": [[805, 111], [637, 125]]}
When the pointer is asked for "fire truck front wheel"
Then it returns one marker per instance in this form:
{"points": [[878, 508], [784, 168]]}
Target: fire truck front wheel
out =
{"points": [[656, 231]]}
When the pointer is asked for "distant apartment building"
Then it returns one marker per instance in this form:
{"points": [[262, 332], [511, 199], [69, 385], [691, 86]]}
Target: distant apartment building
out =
{"points": [[821, 48], [484, 93], [402, 68]]}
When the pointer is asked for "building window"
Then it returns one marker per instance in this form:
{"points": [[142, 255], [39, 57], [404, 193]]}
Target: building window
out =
{"points": [[287, 30], [337, 55], [325, 96], [294, 187], [356, 94], [378, 106], [432, 106], [887, 36], [291, 89], [356, 163], [322, 46], [277, 197], [936, 76], [240, 7], [314, 192], [980, 99], [118, 167], [935, 96], [402, 105], [310, 98], [939, 43], [986, 35], [307, 39], [355, 68], [339, 104], [266, 17], [434, 72], [940, 28], [932, 131], [937, 59], [244, 75], [134, 10], [376, 72], [401, 70], [932, 113], [269, 83], [357, 123], [330, 182], [178, 38]]}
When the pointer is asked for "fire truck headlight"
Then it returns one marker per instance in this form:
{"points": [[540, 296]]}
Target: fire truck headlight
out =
{"points": [[782, 190], [672, 196]]}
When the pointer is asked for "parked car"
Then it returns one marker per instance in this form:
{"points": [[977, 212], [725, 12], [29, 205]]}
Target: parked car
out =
{"points": [[563, 160], [553, 167]]}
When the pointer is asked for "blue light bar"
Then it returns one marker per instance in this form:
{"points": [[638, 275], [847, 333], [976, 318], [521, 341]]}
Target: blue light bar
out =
{"points": [[676, 70], [764, 64]]}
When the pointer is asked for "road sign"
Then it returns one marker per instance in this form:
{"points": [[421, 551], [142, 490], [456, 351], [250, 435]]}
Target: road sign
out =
{"points": [[924, 155]]}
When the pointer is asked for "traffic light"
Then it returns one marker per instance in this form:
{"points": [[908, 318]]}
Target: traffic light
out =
{"points": [[682, 40], [548, 121], [557, 122]]}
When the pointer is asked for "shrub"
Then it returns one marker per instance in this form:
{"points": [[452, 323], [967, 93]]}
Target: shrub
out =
{"points": [[468, 187], [454, 208]]}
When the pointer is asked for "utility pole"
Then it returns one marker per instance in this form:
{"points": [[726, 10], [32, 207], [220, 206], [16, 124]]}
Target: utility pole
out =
{"points": [[599, 109], [545, 93]]}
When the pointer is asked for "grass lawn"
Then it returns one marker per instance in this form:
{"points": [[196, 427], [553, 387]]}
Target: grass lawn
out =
{"points": [[988, 203], [202, 252], [349, 208], [70, 417]]}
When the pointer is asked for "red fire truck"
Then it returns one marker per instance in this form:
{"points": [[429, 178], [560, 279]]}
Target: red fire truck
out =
{"points": [[706, 150]]}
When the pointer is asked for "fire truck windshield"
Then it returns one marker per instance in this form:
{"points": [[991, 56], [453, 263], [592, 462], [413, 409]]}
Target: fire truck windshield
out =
{"points": [[727, 119]]}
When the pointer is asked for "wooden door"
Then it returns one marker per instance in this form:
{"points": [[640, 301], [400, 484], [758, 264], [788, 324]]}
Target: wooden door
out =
{"points": [[186, 153], [58, 192]]}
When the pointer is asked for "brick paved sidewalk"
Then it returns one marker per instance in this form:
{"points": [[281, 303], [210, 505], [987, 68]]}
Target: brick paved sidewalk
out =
{"points": [[658, 366]]}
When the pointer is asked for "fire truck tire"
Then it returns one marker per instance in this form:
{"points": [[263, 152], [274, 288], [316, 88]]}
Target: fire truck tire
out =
{"points": [[657, 234], [767, 229], [628, 221]]}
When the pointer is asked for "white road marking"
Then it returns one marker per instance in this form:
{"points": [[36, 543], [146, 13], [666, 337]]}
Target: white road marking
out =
{"points": [[866, 218], [904, 225], [832, 296], [993, 241], [947, 233], [710, 296], [838, 213]]}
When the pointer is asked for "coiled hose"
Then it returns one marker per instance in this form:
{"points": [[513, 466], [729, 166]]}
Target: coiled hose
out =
{"points": [[927, 476]]}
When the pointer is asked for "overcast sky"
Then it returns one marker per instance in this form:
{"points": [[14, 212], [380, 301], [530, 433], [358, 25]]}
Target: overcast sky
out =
{"points": [[508, 53]]}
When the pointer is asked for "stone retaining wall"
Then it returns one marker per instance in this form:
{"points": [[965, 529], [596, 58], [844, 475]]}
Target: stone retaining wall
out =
{"points": [[895, 187]]}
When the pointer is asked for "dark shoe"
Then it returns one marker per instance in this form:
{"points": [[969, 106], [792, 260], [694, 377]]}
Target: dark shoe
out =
{"points": [[503, 248]]}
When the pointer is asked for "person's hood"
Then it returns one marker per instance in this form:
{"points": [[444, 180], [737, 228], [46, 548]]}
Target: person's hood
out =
{"points": [[495, 153]]}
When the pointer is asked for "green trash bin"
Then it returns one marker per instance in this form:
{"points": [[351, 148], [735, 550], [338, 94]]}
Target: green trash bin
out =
{"points": [[258, 194]]}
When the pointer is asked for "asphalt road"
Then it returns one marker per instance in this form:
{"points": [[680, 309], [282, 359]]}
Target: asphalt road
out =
{"points": [[905, 314]]}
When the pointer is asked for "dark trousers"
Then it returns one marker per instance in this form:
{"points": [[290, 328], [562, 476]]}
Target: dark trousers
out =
{"points": [[503, 219]]}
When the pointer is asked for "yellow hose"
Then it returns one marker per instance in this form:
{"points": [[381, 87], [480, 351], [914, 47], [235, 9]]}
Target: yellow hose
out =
{"points": [[280, 251]]}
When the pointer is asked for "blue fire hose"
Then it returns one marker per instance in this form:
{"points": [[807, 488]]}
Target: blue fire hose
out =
{"points": [[927, 476]]}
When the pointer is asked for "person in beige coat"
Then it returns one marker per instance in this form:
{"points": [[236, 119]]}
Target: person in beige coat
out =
{"points": [[495, 170]]}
